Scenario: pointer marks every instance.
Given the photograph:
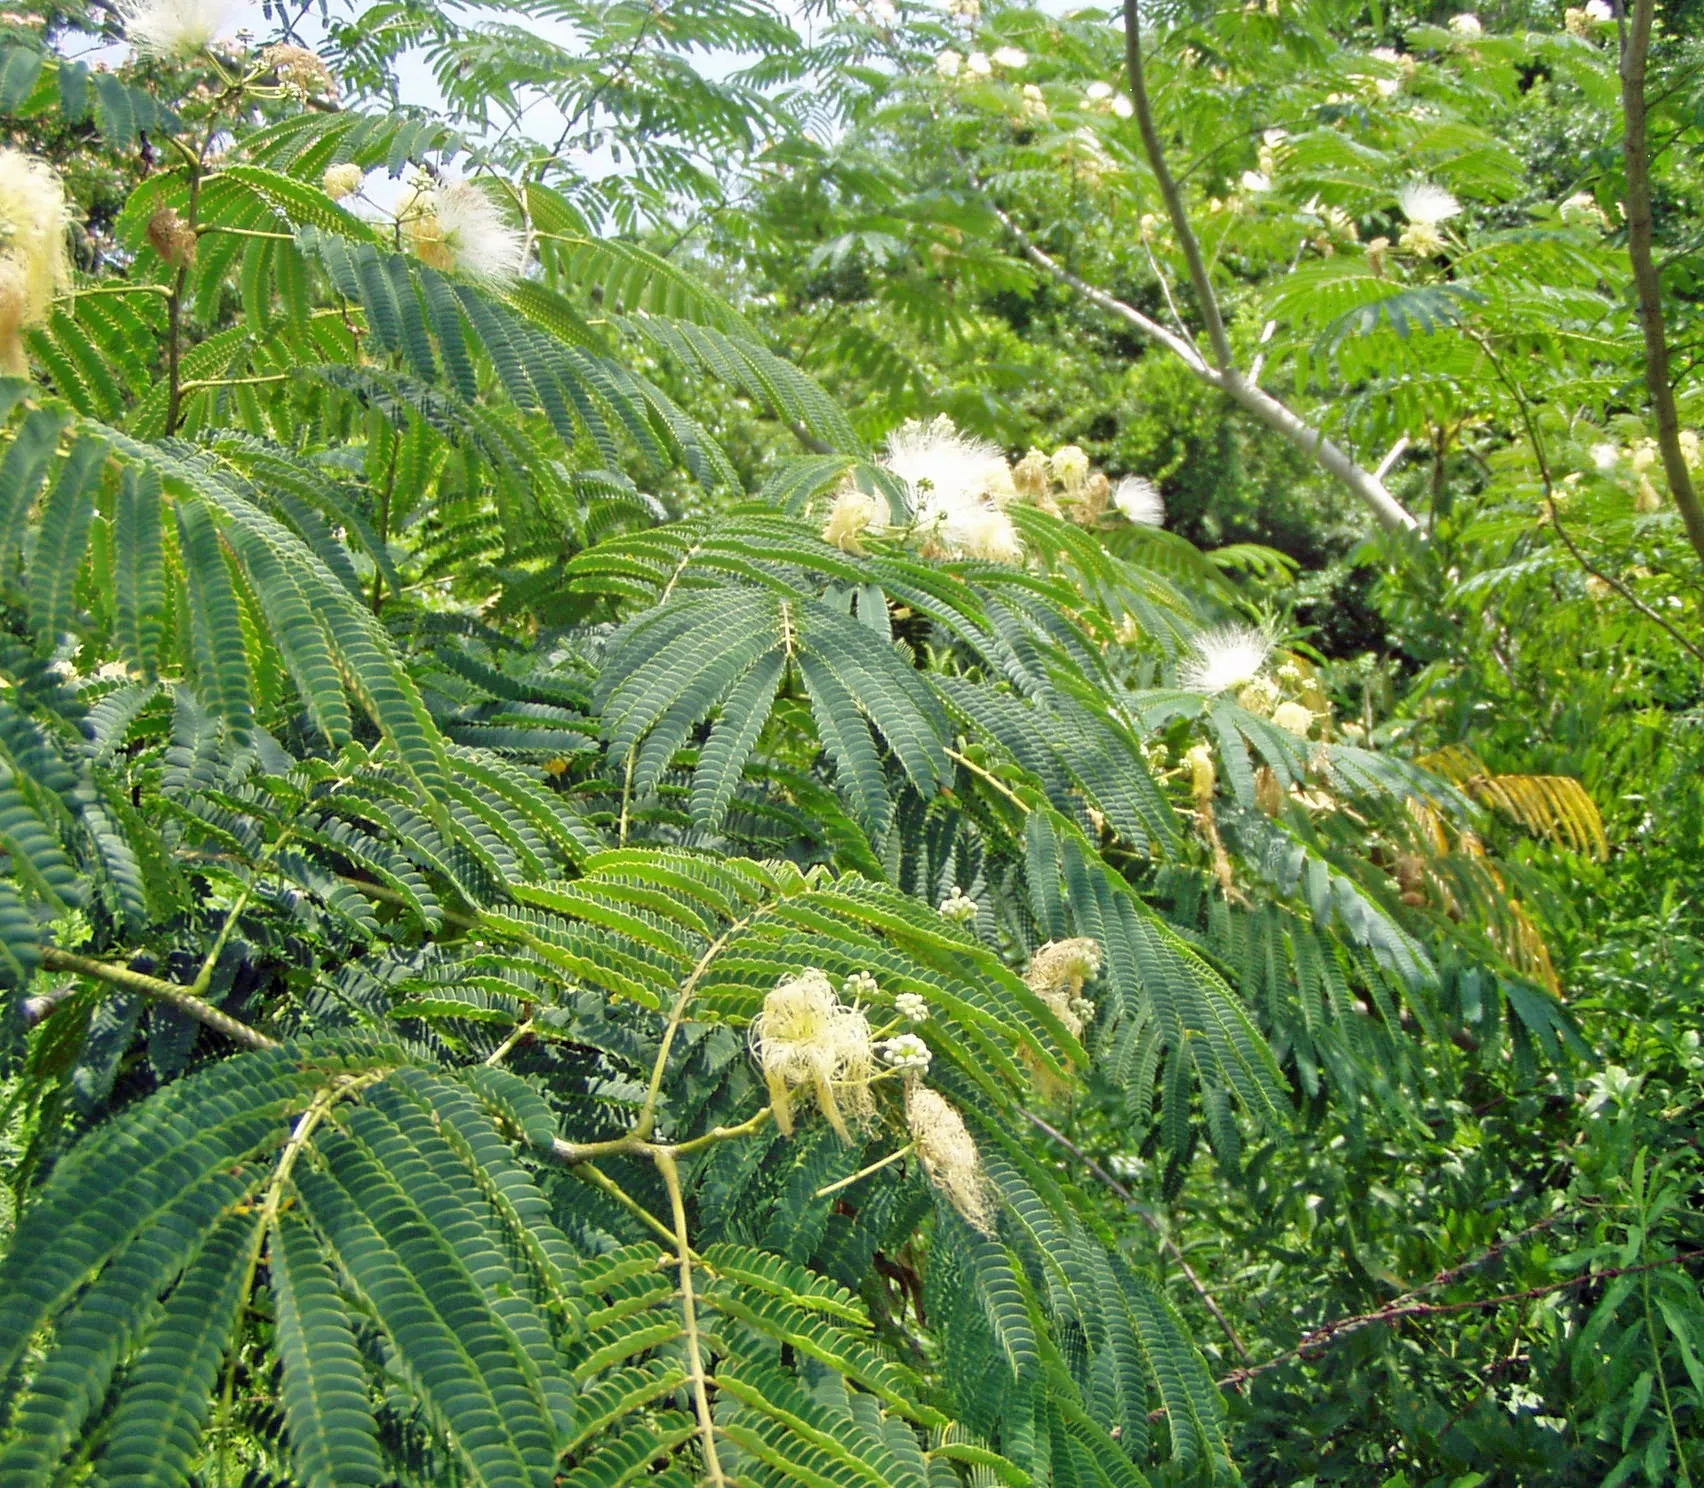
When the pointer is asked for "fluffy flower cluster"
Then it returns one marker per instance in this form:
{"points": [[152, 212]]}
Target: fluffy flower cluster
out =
{"points": [[912, 1006], [806, 1039], [1229, 656], [958, 489], [34, 265], [1105, 98], [958, 906], [174, 30], [342, 180], [1582, 209], [1467, 25], [301, 73], [905, 1052], [1138, 500], [1583, 21], [1057, 973], [948, 1154], [453, 225]]}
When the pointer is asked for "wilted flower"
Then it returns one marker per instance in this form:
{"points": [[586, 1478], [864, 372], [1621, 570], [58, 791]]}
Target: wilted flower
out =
{"points": [[301, 73], [1011, 58], [171, 237], [854, 513], [1057, 972], [34, 265], [906, 1052], [947, 64], [342, 180], [173, 29], [1423, 202], [978, 65], [1466, 24], [1226, 657], [805, 1037], [455, 225], [1069, 465], [949, 1155], [1030, 474], [958, 906], [912, 1006], [1294, 717]]}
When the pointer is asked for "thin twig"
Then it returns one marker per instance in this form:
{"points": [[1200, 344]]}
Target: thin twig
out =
{"points": [[181, 998], [689, 1313]]}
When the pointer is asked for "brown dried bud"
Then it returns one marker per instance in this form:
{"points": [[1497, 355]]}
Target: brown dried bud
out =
{"points": [[172, 237]]}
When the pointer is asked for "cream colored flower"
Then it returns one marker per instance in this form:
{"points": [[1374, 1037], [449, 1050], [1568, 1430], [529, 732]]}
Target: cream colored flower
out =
{"points": [[1467, 25], [342, 180], [34, 264], [949, 1156], [948, 63], [301, 73], [1422, 240], [854, 513], [1011, 58], [807, 1039], [1034, 106], [978, 65], [1256, 182], [1581, 209], [1294, 717], [173, 29], [1070, 466], [1606, 456]]}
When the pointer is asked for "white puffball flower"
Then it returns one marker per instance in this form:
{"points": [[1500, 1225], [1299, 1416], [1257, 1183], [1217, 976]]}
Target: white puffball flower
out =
{"points": [[1098, 92], [1226, 657], [912, 1006], [956, 486], [1466, 24], [455, 225], [1122, 106], [978, 65], [906, 1052], [1582, 208], [1606, 456], [1139, 501], [34, 265], [1256, 181], [1423, 202], [947, 64], [1600, 10], [1011, 58], [343, 180], [173, 29]]}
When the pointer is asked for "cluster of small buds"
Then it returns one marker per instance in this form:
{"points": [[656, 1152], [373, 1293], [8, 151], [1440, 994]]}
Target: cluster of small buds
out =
{"points": [[1083, 1009], [958, 906], [860, 985], [905, 1052], [912, 1006]]}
